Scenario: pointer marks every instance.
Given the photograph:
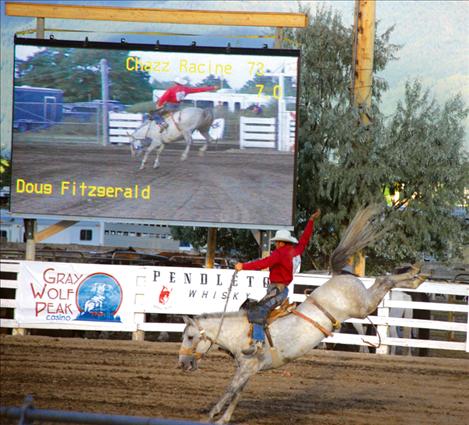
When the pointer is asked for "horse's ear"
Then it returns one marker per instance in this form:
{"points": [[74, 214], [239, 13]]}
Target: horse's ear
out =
{"points": [[188, 320]]}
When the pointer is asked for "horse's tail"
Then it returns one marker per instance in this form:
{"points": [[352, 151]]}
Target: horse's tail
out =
{"points": [[363, 230]]}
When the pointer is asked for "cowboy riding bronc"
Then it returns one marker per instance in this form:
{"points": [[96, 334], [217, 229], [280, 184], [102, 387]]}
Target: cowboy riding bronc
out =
{"points": [[280, 264]]}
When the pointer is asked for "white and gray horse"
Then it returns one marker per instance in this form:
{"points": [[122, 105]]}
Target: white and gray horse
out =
{"points": [[340, 298], [181, 125]]}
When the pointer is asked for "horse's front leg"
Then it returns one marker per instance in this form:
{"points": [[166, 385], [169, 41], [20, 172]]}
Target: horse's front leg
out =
{"points": [[233, 392], [144, 160], [232, 406], [156, 164], [188, 138], [150, 148]]}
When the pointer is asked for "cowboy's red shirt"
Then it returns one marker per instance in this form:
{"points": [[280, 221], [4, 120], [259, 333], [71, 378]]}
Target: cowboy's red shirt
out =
{"points": [[280, 262], [178, 92]]}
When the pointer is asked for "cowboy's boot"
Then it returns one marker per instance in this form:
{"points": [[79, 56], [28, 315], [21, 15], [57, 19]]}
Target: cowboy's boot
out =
{"points": [[256, 347]]}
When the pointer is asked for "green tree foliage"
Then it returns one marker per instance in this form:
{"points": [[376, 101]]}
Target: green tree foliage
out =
{"points": [[338, 168], [234, 243], [424, 158], [5, 171], [77, 73], [343, 164], [253, 86], [212, 80]]}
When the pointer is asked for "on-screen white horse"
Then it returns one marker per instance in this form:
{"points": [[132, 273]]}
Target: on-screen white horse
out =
{"points": [[340, 298], [181, 125]]}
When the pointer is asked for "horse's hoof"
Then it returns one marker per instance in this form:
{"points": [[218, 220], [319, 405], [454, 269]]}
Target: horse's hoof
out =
{"points": [[422, 277], [416, 267]]}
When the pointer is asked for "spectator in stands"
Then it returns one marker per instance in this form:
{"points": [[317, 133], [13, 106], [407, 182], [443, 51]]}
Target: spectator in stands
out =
{"points": [[256, 108]]}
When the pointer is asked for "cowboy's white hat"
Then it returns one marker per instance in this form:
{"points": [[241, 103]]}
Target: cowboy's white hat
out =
{"points": [[284, 235], [179, 80]]}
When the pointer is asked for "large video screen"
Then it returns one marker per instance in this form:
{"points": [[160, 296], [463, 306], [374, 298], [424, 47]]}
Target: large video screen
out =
{"points": [[186, 135]]}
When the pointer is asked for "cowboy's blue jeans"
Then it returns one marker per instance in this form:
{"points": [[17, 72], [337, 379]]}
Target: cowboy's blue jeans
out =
{"points": [[168, 107], [258, 315]]}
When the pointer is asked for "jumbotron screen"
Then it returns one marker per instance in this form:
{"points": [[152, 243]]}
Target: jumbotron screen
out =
{"points": [[182, 135]]}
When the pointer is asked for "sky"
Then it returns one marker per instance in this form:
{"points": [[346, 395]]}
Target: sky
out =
{"points": [[432, 35]]}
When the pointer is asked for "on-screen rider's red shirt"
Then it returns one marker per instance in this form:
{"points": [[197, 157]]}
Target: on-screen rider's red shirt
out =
{"points": [[280, 261], [178, 92]]}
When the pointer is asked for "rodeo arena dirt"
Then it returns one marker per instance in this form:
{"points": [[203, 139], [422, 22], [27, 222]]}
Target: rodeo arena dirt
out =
{"points": [[140, 378], [210, 188]]}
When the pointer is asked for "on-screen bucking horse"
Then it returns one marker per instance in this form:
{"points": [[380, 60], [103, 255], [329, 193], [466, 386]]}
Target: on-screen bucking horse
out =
{"points": [[181, 125], [342, 297]]}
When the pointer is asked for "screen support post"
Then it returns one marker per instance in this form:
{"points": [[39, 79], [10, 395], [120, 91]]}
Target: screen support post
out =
{"points": [[211, 247], [30, 223]]}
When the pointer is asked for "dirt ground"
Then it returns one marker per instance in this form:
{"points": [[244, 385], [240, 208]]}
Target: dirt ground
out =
{"points": [[140, 378], [223, 186]]}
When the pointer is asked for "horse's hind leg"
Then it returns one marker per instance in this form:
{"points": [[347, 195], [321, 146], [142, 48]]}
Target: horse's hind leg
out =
{"points": [[208, 140], [384, 284], [188, 139]]}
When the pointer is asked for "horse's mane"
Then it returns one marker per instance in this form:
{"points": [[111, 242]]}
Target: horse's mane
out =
{"points": [[363, 230]]}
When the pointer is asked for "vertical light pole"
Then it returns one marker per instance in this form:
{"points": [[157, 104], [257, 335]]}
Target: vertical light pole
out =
{"points": [[363, 54], [362, 78], [105, 99]]}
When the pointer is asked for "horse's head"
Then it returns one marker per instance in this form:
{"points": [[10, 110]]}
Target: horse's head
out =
{"points": [[194, 345], [136, 146]]}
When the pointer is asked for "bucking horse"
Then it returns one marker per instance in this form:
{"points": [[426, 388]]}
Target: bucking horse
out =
{"points": [[342, 297], [181, 125]]}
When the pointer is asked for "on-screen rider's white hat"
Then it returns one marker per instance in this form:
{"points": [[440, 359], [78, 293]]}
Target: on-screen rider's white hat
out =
{"points": [[179, 80], [284, 235]]}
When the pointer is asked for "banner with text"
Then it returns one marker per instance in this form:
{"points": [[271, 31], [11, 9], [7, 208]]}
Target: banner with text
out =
{"points": [[78, 296], [178, 290]]}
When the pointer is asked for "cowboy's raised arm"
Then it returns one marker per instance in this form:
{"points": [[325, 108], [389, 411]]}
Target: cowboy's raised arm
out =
{"points": [[307, 232]]}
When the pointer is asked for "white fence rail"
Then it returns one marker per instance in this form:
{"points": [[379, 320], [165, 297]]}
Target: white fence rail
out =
{"points": [[266, 133], [257, 132], [383, 320], [121, 124]]}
